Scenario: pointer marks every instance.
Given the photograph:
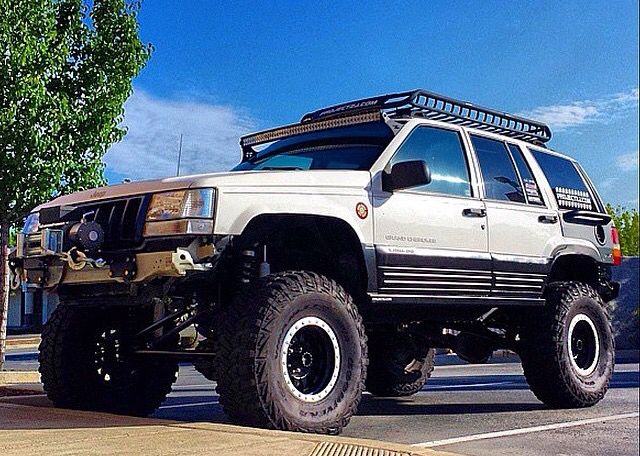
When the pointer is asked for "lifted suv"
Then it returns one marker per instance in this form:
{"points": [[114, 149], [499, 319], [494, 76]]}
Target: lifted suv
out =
{"points": [[334, 258]]}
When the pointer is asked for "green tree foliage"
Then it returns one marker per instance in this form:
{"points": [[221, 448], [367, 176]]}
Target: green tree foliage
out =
{"points": [[627, 223], [65, 72]]}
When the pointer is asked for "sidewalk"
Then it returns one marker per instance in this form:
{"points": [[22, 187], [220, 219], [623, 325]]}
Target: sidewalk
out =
{"points": [[35, 430], [23, 341]]}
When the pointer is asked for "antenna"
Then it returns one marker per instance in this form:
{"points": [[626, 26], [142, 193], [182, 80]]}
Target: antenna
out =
{"points": [[179, 157]]}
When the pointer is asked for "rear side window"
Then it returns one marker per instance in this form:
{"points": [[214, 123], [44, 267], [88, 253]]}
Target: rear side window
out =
{"points": [[443, 151], [569, 188], [498, 174], [530, 185]]}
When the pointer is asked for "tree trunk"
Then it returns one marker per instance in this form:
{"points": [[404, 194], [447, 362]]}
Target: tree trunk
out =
{"points": [[4, 287]]}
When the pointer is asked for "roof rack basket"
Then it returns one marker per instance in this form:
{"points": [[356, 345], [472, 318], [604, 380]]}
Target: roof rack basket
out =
{"points": [[428, 105]]}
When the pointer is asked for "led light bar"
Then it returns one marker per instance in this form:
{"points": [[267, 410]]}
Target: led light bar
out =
{"points": [[247, 142]]}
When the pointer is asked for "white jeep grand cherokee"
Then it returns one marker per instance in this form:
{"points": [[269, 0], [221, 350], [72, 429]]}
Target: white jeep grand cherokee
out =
{"points": [[334, 258]]}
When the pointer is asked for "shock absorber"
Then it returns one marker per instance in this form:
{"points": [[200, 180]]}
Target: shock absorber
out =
{"points": [[248, 266]]}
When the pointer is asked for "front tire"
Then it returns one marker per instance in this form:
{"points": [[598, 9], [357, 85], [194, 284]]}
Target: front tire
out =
{"points": [[568, 352], [293, 356], [86, 364]]}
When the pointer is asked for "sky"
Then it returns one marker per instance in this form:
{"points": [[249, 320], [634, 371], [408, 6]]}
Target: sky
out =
{"points": [[223, 69]]}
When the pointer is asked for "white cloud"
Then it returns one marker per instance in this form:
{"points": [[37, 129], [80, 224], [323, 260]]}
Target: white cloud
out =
{"points": [[578, 113], [150, 148], [608, 183], [628, 162]]}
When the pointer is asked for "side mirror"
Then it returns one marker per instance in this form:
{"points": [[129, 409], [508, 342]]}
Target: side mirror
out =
{"points": [[406, 174]]}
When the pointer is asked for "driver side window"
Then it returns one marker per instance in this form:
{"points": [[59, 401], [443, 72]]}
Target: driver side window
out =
{"points": [[443, 152]]}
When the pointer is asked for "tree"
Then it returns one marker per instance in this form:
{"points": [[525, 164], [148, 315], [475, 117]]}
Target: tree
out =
{"points": [[628, 228], [65, 72]]}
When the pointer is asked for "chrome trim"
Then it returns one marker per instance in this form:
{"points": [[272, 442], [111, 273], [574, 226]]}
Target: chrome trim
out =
{"points": [[518, 279], [525, 274], [416, 282], [449, 276], [428, 252], [417, 268], [520, 259], [496, 298], [484, 291]]}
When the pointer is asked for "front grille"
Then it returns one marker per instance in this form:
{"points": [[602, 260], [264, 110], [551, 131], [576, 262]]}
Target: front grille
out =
{"points": [[122, 220]]}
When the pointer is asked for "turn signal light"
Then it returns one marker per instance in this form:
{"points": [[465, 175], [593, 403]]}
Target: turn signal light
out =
{"points": [[616, 252]]}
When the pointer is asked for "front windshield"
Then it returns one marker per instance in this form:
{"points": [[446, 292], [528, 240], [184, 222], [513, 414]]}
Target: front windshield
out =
{"points": [[356, 157], [354, 148]]}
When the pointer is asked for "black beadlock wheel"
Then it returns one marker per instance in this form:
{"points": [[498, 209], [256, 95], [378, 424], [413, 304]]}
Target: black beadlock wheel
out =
{"points": [[568, 351], [293, 355], [398, 366], [86, 363]]}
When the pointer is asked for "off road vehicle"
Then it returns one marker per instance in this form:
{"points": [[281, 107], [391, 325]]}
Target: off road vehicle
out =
{"points": [[334, 259]]}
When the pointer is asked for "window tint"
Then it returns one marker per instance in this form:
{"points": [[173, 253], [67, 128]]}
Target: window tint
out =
{"points": [[530, 186], [567, 184], [444, 153], [339, 156], [500, 179]]}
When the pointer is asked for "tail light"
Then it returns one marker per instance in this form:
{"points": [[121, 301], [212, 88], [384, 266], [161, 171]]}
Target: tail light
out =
{"points": [[616, 252]]}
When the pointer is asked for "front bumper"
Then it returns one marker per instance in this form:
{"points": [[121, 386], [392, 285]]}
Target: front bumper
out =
{"points": [[53, 270]]}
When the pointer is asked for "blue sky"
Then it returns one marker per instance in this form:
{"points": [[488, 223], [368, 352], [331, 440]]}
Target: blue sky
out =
{"points": [[221, 69]]}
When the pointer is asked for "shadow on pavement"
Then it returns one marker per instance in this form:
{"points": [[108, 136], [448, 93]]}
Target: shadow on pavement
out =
{"points": [[373, 406]]}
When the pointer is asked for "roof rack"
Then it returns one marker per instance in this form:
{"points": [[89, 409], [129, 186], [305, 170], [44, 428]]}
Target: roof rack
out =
{"points": [[429, 105], [416, 103]]}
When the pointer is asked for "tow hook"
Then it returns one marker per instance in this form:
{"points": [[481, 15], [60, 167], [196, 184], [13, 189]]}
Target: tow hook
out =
{"points": [[183, 261], [77, 260]]}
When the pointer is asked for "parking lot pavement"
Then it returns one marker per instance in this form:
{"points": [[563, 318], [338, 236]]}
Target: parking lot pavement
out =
{"points": [[471, 409], [468, 402]]}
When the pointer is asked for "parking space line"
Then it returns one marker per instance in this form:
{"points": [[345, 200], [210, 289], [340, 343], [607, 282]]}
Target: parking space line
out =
{"points": [[193, 404], [527, 430]]}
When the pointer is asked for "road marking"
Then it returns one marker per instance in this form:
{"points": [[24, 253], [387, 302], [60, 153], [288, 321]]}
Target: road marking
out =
{"points": [[194, 404], [21, 396], [199, 387], [510, 432], [470, 385]]}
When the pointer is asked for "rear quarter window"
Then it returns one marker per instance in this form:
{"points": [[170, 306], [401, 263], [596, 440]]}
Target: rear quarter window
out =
{"points": [[569, 188]]}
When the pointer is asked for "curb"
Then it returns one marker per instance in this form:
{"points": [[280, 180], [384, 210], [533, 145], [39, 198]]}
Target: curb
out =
{"points": [[19, 377], [50, 431]]}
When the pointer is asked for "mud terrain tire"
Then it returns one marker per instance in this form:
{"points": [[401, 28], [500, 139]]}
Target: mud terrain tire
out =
{"points": [[398, 367], [84, 364], [568, 350], [277, 362]]}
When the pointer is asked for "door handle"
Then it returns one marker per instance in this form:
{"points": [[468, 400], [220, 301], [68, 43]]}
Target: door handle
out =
{"points": [[548, 219], [474, 212]]}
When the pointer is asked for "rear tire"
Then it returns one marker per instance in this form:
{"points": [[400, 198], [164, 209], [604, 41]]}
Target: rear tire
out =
{"points": [[293, 355], [567, 352], [398, 366], [85, 364]]}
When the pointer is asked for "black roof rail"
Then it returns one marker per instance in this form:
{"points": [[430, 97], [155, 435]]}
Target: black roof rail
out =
{"points": [[429, 105]]}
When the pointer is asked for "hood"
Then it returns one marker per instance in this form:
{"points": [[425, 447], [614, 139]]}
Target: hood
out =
{"points": [[238, 179]]}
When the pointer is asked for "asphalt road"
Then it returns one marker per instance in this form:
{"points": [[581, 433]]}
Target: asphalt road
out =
{"points": [[471, 409]]}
